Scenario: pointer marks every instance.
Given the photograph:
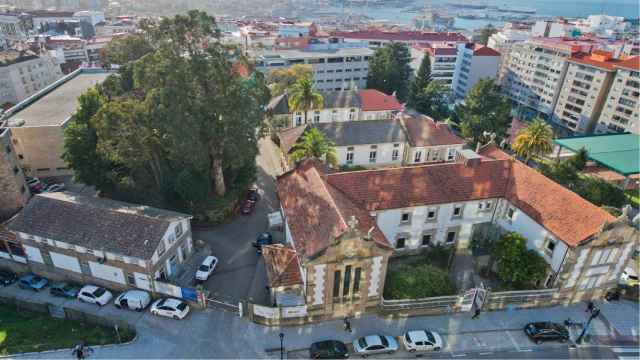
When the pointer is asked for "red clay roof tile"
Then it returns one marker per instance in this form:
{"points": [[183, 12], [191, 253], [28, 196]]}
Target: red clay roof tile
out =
{"points": [[283, 268], [374, 100]]}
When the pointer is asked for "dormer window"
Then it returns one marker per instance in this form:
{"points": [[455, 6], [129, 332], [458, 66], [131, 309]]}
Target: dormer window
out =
{"points": [[178, 230]]}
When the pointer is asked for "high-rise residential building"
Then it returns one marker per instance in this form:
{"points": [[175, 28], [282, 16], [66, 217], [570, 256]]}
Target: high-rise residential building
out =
{"points": [[535, 71], [474, 62], [503, 41], [337, 69], [443, 59], [620, 111], [23, 73], [584, 91]]}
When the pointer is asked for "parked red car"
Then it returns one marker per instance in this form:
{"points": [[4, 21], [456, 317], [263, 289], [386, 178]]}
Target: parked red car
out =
{"points": [[249, 202]]}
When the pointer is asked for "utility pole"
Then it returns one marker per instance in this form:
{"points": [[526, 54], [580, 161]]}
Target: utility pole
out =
{"points": [[594, 314]]}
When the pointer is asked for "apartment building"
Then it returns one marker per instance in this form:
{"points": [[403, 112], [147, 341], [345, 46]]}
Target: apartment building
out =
{"points": [[535, 72], [339, 69], [96, 240], [37, 123], [23, 73], [14, 192], [584, 91], [11, 29], [344, 226], [377, 38], [503, 41], [443, 59], [620, 111], [474, 62]]}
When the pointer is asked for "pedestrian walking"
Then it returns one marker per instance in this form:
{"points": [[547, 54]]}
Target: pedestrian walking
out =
{"points": [[78, 351], [476, 314], [590, 306], [347, 325]]}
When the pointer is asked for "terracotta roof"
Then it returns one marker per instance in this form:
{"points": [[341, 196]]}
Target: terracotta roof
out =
{"points": [[241, 70], [401, 36], [374, 100], [569, 217], [481, 50], [632, 63], [96, 223], [564, 213], [289, 137], [281, 263], [421, 185], [588, 59], [316, 212], [424, 131]]}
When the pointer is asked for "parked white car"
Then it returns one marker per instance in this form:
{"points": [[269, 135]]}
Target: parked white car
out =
{"points": [[168, 307], [95, 295], [206, 268], [133, 300], [422, 340], [375, 344]]}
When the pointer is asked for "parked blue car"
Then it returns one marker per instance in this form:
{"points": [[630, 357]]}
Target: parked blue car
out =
{"points": [[33, 282]]}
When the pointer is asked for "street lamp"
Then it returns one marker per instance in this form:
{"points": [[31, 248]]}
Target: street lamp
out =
{"points": [[594, 313], [281, 346]]}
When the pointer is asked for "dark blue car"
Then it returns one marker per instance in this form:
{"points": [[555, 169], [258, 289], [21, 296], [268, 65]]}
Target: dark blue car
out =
{"points": [[64, 290], [33, 282], [263, 239]]}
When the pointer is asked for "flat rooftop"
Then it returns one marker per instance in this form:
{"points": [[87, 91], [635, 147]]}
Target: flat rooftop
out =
{"points": [[310, 54], [54, 105], [618, 152]]}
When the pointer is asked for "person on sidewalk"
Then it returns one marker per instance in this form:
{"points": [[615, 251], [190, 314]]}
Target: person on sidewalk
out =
{"points": [[78, 351], [476, 314], [347, 325], [590, 306]]}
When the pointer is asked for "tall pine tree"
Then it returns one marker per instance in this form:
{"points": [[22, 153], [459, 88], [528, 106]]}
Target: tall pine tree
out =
{"points": [[389, 70], [420, 82]]}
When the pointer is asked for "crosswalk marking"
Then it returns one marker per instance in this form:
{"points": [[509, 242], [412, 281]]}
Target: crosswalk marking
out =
{"points": [[627, 353]]}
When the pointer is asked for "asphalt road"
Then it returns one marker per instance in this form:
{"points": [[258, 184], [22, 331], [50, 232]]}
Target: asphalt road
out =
{"points": [[240, 273]]}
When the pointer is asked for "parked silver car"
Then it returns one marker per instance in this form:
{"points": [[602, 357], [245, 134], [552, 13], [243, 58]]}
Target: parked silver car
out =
{"points": [[375, 344]]}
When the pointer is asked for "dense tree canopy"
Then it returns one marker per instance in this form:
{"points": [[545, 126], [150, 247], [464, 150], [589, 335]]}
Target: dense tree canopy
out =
{"points": [[174, 125], [123, 50], [534, 140], [484, 110], [419, 82], [281, 79], [486, 33], [389, 70], [517, 266], [313, 144]]}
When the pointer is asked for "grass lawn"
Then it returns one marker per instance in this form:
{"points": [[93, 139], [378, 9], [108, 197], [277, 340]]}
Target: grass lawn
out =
{"points": [[26, 331]]}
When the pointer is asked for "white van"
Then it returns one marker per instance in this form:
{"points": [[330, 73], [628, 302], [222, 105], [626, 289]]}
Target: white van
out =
{"points": [[206, 268], [133, 300]]}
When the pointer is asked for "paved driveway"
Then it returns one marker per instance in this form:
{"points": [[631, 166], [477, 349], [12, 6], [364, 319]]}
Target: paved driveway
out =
{"points": [[240, 273]]}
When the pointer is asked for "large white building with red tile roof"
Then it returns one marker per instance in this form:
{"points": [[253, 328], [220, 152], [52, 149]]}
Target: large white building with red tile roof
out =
{"points": [[345, 225]]}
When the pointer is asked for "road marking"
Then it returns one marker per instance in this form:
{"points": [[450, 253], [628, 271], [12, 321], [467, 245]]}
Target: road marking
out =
{"points": [[525, 350], [458, 355], [623, 350], [486, 353], [513, 341]]}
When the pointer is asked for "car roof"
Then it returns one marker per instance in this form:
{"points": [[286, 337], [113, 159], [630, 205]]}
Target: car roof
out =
{"points": [[373, 340], [418, 335], [135, 293], [89, 288], [209, 259], [171, 302]]}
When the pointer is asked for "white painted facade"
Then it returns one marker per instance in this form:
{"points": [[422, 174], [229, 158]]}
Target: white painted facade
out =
{"points": [[20, 80], [470, 68], [65, 262], [371, 154], [107, 272], [326, 115], [428, 154]]}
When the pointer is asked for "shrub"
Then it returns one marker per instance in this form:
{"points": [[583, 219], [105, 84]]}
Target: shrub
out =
{"points": [[417, 281]]}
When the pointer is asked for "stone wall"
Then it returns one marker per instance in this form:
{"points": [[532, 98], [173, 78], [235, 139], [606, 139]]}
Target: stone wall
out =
{"points": [[14, 192]]}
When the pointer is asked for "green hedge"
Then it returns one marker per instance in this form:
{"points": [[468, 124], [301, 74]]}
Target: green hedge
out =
{"points": [[417, 281]]}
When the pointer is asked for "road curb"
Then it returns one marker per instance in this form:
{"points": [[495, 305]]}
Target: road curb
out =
{"points": [[70, 349]]}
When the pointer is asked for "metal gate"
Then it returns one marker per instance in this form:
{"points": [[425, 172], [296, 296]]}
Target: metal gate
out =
{"points": [[217, 304], [473, 298]]}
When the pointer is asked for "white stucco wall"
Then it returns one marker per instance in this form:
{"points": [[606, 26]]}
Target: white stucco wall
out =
{"points": [[33, 254], [65, 262], [361, 154], [389, 222], [432, 153], [536, 235], [107, 272]]}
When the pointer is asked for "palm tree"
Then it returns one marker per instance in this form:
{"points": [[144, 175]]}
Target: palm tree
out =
{"points": [[303, 97], [314, 144], [535, 139]]}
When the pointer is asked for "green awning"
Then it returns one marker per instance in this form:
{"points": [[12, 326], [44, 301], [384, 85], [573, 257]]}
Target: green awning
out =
{"points": [[618, 152]]}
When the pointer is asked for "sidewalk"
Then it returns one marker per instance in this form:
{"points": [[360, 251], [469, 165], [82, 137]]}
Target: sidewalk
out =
{"points": [[213, 333]]}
